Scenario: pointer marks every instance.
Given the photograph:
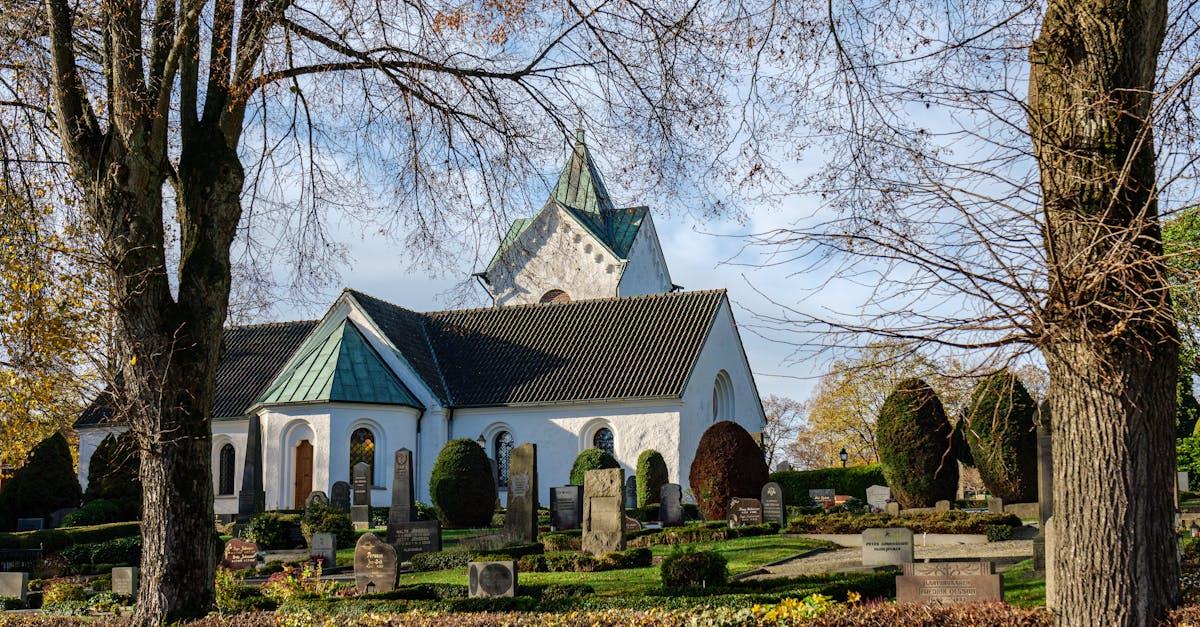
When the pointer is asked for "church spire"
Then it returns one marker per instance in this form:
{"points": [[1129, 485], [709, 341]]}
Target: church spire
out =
{"points": [[580, 186]]}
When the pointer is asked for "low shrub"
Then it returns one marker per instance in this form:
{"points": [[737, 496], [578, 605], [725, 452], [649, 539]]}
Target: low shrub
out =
{"points": [[924, 522], [96, 512], [11, 603], [442, 560], [118, 551], [291, 583], [54, 540], [106, 602], [576, 562], [233, 598], [559, 591], [271, 530], [328, 519], [421, 592], [851, 481], [60, 594], [685, 569], [689, 534], [570, 540], [998, 533]]}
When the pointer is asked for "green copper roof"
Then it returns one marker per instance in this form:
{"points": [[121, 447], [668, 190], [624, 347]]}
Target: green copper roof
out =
{"points": [[342, 366], [580, 185]]}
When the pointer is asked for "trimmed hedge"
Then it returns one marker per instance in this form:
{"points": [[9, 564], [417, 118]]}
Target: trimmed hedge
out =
{"points": [[1000, 432], [442, 560], [915, 443], [687, 569], [576, 562], [54, 540], [45, 483], [850, 481], [98, 512], [591, 459], [652, 475], [461, 485], [727, 464], [714, 531], [924, 522]]}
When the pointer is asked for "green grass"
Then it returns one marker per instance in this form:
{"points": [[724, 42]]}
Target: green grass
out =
{"points": [[1023, 587]]}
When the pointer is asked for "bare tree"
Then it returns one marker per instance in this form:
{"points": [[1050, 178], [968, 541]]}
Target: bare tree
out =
{"points": [[783, 418]]}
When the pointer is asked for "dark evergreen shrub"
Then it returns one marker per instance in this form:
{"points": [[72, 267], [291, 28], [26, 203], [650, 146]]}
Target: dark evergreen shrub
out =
{"points": [[271, 530], [113, 475], [915, 446], [44, 484], [652, 475], [1187, 410], [96, 512], [1002, 436], [462, 486], [591, 459], [687, 569], [727, 464], [328, 519]]}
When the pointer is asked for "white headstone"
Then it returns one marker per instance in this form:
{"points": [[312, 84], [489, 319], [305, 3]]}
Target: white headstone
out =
{"points": [[125, 580], [1182, 480], [887, 547], [878, 496], [324, 546], [14, 586]]}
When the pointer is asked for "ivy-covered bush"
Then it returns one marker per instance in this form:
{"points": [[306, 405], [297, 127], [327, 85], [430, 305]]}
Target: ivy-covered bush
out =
{"points": [[328, 519], [1001, 433], [96, 512], [44, 484], [851, 481], [591, 459], [915, 449], [685, 569], [462, 486], [652, 475], [113, 475], [271, 530], [728, 464]]}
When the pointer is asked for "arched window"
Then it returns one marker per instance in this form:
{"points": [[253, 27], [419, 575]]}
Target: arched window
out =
{"points": [[603, 440], [722, 397], [362, 449], [555, 296], [226, 469], [501, 451]]}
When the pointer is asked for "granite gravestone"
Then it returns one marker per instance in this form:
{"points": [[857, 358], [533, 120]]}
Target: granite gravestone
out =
{"points": [[942, 506], [1181, 481], [419, 536], [340, 496], [745, 512], [566, 507], [995, 505], [887, 547], [893, 508], [252, 498], [520, 521], [492, 579], [402, 491], [316, 498], [57, 516], [239, 554], [1045, 471], [323, 547], [375, 565], [603, 511], [773, 510], [125, 580], [878, 496], [360, 509], [31, 524], [822, 496], [949, 582], [670, 505], [631, 493], [14, 586]]}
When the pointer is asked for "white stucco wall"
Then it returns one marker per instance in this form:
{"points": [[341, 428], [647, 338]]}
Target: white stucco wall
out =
{"points": [[89, 440], [646, 269], [228, 432], [555, 252], [722, 350], [561, 432]]}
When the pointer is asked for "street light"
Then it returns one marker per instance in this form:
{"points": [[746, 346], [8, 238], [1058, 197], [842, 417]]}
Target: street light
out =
{"points": [[482, 442], [843, 454]]}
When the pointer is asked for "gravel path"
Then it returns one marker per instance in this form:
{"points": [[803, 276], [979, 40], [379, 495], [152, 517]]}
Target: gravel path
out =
{"points": [[850, 559]]}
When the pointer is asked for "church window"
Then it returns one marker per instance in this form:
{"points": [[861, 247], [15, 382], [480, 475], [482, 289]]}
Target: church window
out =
{"points": [[555, 296], [722, 397], [226, 470], [362, 449], [603, 440], [502, 450], [587, 249]]}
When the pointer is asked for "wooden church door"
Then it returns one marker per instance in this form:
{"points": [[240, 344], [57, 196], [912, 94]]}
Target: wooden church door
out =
{"points": [[304, 472]]}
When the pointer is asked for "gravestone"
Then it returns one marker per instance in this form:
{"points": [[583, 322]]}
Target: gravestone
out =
{"points": [[239, 554], [1181, 481], [125, 580], [603, 511], [520, 521], [942, 506], [252, 498], [57, 516], [566, 507], [893, 508], [783, 466], [1045, 469], [492, 579], [745, 512], [995, 505], [878, 496], [949, 582], [402, 490], [375, 565], [31, 524], [773, 510], [316, 498], [14, 586], [360, 508], [887, 547], [670, 505], [822, 496], [340, 496], [324, 548], [419, 536], [1051, 572], [632, 524], [631, 493]]}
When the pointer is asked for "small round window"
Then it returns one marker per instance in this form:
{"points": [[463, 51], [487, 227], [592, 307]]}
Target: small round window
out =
{"points": [[555, 296], [604, 441]]}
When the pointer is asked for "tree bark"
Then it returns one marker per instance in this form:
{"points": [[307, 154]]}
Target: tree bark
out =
{"points": [[1109, 338]]}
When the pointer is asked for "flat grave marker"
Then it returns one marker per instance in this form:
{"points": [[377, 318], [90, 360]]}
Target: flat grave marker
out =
{"points": [[419, 536], [892, 546], [31, 524], [949, 582], [125, 580], [492, 579], [822, 496]]}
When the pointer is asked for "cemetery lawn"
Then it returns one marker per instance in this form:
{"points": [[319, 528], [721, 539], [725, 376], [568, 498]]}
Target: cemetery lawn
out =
{"points": [[743, 554], [1022, 587]]}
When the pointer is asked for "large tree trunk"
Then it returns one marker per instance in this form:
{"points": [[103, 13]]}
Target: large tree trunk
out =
{"points": [[1109, 337]]}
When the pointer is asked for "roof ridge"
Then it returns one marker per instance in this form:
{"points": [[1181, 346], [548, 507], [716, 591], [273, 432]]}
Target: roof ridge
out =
{"points": [[583, 301], [274, 323]]}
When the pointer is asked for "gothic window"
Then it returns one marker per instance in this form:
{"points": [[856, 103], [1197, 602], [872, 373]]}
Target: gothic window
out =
{"points": [[722, 400], [555, 296], [226, 470], [603, 440], [362, 449], [502, 449]]}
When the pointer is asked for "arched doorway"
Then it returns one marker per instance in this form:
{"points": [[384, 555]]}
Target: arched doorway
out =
{"points": [[304, 473]]}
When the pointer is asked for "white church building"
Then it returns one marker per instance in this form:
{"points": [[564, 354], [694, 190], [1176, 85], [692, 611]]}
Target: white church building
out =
{"points": [[588, 344]]}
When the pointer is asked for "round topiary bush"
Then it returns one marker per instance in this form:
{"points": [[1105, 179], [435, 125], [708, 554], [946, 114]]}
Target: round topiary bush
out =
{"points": [[686, 569], [727, 464], [462, 486], [916, 446], [652, 475], [1002, 436], [44, 484], [591, 459]]}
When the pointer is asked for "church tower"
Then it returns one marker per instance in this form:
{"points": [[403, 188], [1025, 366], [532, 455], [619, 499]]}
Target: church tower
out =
{"points": [[579, 246]]}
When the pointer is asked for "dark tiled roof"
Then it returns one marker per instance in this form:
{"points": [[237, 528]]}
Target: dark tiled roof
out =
{"points": [[251, 357], [407, 330], [639, 347]]}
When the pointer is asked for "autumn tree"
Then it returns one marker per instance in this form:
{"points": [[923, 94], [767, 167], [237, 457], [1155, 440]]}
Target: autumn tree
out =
{"points": [[783, 416]]}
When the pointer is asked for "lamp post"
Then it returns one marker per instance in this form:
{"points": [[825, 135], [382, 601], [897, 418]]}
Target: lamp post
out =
{"points": [[843, 455], [482, 442]]}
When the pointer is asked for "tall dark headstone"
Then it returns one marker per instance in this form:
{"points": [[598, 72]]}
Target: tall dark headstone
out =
{"points": [[402, 491], [405, 533], [252, 499], [631, 492], [772, 504], [360, 509], [340, 496], [1045, 471], [670, 505], [566, 507], [375, 565], [520, 523]]}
